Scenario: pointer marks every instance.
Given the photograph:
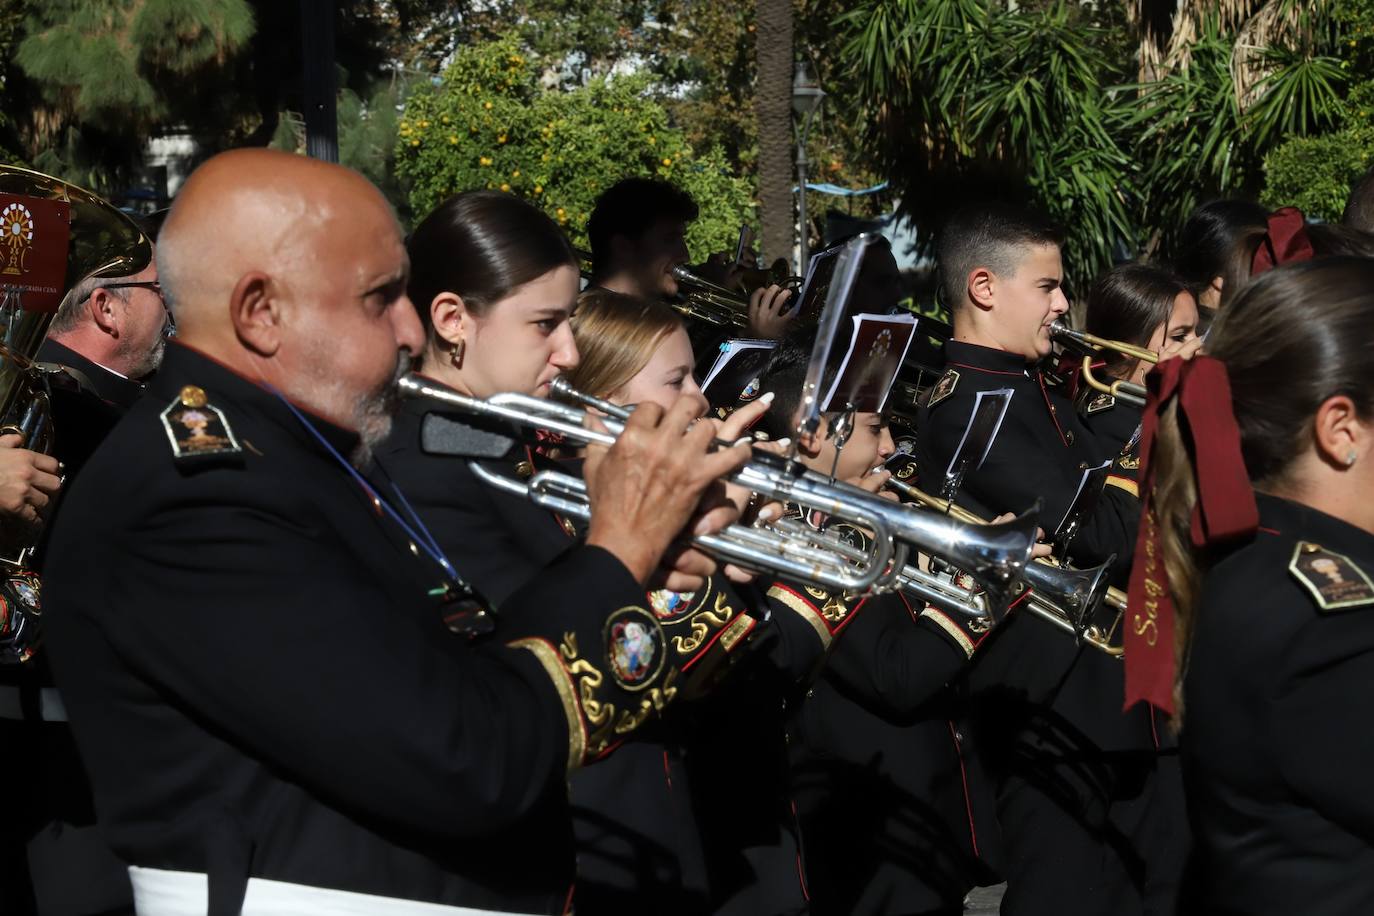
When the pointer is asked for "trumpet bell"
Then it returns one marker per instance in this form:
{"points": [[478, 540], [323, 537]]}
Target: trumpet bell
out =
{"points": [[1076, 591]]}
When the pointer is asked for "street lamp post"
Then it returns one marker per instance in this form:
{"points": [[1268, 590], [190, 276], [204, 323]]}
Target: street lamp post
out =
{"points": [[807, 96]]}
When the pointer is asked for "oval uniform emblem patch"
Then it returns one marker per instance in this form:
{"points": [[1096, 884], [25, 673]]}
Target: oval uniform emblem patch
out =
{"points": [[634, 647]]}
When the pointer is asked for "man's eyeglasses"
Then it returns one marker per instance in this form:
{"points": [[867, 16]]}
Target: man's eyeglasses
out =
{"points": [[170, 328]]}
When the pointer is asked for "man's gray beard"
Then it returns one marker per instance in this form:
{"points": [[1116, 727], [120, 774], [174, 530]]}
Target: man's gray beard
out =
{"points": [[148, 361], [373, 415]]}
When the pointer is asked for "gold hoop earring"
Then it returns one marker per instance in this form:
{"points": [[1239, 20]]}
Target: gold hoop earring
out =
{"points": [[455, 356]]}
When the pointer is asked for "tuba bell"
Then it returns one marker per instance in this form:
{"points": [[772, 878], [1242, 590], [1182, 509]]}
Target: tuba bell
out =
{"points": [[53, 235]]}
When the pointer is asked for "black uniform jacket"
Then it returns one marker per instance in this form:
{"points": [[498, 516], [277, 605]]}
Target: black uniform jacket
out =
{"points": [[260, 685], [1081, 801], [1277, 740], [84, 413], [886, 805], [71, 869], [1115, 423], [1040, 452], [637, 842]]}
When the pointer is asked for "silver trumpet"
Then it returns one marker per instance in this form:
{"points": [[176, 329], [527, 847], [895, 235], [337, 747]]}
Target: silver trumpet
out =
{"points": [[995, 555], [1067, 597]]}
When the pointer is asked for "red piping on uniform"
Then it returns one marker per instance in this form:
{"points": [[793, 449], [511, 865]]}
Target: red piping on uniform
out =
{"points": [[911, 612], [989, 371], [1050, 407], [1154, 732], [568, 902], [667, 771], [848, 617], [607, 752], [963, 778], [801, 865], [1019, 598], [1265, 530]]}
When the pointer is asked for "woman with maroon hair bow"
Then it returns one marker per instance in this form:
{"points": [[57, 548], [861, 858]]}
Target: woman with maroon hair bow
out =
{"points": [[1252, 596]]}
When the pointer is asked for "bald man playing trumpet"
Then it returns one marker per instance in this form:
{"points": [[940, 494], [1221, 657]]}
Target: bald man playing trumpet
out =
{"points": [[248, 625]]}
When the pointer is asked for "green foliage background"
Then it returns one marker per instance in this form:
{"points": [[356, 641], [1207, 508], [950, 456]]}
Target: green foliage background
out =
{"points": [[490, 123], [1044, 99]]}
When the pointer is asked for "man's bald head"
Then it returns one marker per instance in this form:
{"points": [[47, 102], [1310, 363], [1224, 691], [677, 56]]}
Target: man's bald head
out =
{"points": [[292, 272], [254, 210]]}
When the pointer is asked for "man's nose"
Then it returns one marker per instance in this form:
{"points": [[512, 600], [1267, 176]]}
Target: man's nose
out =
{"points": [[405, 323]]}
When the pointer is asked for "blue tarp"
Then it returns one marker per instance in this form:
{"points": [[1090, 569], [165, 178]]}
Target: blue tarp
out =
{"points": [[837, 191]]}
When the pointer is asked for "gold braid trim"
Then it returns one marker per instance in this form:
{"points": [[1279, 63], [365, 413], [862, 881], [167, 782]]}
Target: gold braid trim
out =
{"points": [[806, 610], [737, 630], [951, 629], [1125, 483], [562, 682]]}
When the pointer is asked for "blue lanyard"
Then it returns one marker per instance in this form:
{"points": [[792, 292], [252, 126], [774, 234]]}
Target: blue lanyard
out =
{"points": [[418, 534]]}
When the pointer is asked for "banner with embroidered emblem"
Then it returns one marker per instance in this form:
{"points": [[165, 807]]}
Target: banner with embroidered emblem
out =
{"points": [[197, 429], [1334, 581]]}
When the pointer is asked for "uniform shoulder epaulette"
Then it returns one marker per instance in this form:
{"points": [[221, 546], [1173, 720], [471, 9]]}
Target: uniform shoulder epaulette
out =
{"points": [[1102, 401], [197, 430], [944, 387], [1334, 581]]}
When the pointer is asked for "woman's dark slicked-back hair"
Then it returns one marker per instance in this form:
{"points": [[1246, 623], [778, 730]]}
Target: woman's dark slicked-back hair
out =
{"points": [[1219, 240], [1128, 303], [482, 245]]}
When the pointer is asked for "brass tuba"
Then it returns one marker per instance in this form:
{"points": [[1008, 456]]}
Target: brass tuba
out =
{"points": [[53, 235]]}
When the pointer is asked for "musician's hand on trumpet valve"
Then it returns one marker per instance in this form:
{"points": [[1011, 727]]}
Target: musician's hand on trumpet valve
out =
{"points": [[1041, 548], [661, 483], [770, 312], [29, 481]]}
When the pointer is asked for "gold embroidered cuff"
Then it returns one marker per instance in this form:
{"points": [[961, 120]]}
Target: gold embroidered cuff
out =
{"points": [[562, 682]]}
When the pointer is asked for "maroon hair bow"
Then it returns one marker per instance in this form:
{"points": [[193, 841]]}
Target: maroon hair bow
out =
{"points": [[1225, 511], [1284, 242]]}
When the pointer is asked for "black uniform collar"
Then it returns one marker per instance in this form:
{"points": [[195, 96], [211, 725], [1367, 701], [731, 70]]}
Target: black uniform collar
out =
{"points": [[1295, 521], [961, 355], [119, 390], [184, 365]]}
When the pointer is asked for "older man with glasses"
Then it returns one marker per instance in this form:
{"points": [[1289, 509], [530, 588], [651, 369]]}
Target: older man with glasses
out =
{"points": [[110, 334]]}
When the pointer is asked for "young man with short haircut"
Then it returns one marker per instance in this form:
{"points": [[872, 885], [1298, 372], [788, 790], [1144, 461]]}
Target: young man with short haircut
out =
{"points": [[1088, 807]]}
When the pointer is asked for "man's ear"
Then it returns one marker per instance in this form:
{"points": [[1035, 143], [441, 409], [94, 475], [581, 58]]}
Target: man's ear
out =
{"points": [[451, 318], [104, 309], [256, 314], [982, 287]]}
